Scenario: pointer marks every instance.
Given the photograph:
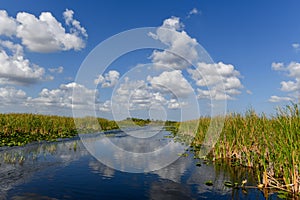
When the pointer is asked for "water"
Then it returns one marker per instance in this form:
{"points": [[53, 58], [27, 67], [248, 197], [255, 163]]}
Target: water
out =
{"points": [[66, 170]]}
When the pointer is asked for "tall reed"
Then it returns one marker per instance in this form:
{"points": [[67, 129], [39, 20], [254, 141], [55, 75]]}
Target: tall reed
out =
{"points": [[270, 145]]}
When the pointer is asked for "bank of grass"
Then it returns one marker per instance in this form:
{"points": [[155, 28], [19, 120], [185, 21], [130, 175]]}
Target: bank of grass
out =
{"points": [[270, 145], [21, 129]]}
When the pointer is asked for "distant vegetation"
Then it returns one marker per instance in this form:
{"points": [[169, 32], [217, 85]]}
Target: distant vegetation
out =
{"points": [[20, 129], [134, 122], [270, 145]]}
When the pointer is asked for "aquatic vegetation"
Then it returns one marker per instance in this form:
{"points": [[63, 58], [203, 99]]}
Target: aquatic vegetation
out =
{"points": [[183, 154], [209, 183], [20, 129], [129, 122], [269, 145]]}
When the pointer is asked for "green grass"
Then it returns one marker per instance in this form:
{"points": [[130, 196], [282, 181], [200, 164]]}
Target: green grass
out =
{"points": [[269, 145], [21, 129]]}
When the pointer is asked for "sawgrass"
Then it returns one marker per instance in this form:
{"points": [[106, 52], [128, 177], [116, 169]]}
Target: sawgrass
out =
{"points": [[21, 129], [269, 145]]}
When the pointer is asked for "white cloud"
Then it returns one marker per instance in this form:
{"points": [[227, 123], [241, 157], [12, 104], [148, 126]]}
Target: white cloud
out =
{"points": [[51, 36], [173, 23], [175, 104], [194, 11], [105, 107], [110, 79], [57, 70], [172, 82], [132, 94], [289, 86], [75, 25], [249, 92], [181, 49], [292, 87], [296, 46], [213, 93], [45, 33], [275, 99], [15, 69], [42, 34], [11, 95], [63, 97], [221, 79], [138, 94], [8, 24], [277, 66]]}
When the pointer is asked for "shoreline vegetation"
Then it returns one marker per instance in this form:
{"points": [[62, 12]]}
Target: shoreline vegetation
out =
{"points": [[268, 145], [18, 129]]}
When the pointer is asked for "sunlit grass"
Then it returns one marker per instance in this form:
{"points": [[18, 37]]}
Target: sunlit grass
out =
{"points": [[270, 145], [20, 129]]}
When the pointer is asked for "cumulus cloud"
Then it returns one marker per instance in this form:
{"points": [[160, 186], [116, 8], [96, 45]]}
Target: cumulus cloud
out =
{"points": [[11, 95], [277, 66], [139, 94], [172, 82], [51, 36], [44, 34], [275, 99], [133, 94], [38, 34], [181, 49], [63, 97], [15, 69], [75, 25], [8, 24], [221, 79], [109, 79], [213, 93], [175, 104], [57, 70], [292, 86], [289, 86], [173, 23]]}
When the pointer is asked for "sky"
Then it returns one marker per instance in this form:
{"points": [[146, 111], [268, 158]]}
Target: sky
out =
{"points": [[200, 57]]}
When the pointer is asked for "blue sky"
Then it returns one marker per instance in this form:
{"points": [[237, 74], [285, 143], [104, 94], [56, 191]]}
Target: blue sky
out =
{"points": [[254, 44]]}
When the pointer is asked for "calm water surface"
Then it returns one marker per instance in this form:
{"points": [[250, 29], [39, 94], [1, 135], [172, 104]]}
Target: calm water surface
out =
{"points": [[66, 170]]}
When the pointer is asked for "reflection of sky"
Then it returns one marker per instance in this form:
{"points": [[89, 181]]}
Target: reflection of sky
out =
{"points": [[126, 154], [98, 168], [185, 172], [132, 154], [18, 164], [180, 180]]}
